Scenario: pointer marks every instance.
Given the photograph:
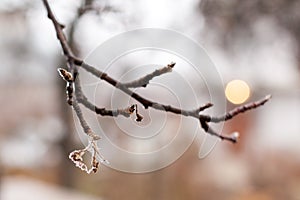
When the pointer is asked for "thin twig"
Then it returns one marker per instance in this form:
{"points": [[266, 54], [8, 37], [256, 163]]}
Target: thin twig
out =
{"points": [[241, 109], [86, 128], [144, 81], [59, 33], [204, 107], [126, 112]]}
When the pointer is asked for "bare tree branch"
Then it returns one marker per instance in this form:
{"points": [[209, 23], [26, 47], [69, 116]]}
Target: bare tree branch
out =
{"points": [[126, 112], [74, 62], [241, 109], [86, 128], [204, 107], [59, 33]]}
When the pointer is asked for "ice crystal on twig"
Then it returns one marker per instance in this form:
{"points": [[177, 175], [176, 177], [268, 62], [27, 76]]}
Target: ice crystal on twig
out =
{"points": [[96, 158]]}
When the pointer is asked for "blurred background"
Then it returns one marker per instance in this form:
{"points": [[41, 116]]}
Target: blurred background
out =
{"points": [[255, 41]]}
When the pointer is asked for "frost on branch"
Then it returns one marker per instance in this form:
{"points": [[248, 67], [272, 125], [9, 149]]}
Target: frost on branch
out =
{"points": [[68, 77], [77, 158], [76, 96]]}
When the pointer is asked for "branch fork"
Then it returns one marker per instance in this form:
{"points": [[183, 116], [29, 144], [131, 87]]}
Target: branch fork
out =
{"points": [[71, 76]]}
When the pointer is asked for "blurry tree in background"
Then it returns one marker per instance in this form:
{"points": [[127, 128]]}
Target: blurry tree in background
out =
{"points": [[235, 20], [42, 136]]}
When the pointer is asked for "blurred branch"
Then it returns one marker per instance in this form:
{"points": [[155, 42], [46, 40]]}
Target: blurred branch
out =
{"points": [[96, 9], [71, 76]]}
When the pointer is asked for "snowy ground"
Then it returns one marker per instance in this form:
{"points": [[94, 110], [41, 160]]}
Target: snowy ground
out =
{"points": [[14, 188]]}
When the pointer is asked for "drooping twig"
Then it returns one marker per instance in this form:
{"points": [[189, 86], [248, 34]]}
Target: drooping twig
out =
{"points": [[138, 116], [77, 155], [74, 62], [204, 124]]}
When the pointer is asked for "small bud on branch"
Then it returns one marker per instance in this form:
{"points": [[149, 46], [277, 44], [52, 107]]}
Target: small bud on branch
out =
{"points": [[73, 79], [67, 76]]}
